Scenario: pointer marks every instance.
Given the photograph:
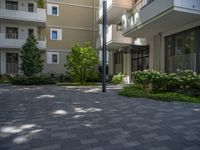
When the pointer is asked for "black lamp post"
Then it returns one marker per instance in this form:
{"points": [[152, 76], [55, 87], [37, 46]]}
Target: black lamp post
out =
{"points": [[104, 58], [104, 46]]}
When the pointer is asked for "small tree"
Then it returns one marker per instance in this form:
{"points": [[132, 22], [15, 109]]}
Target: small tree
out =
{"points": [[32, 62], [41, 3], [82, 62]]}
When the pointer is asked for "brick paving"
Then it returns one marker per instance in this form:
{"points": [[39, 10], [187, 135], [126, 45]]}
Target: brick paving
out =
{"points": [[67, 118]]}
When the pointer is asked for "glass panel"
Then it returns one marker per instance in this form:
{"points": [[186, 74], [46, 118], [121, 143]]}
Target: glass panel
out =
{"points": [[11, 63], [54, 58], [30, 7], [54, 34], [54, 10], [11, 5], [146, 63], [183, 56], [11, 33]]}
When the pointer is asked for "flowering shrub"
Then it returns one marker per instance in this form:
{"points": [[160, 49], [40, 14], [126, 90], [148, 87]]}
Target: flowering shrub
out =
{"points": [[118, 78], [183, 81]]}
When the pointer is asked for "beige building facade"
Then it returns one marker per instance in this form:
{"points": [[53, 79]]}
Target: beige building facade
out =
{"points": [[152, 34], [57, 26]]}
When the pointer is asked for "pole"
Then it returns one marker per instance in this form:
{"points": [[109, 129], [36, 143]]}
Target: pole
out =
{"points": [[104, 46]]}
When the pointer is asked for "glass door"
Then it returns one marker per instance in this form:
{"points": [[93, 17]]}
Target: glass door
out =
{"points": [[12, 63], [140, 59]]}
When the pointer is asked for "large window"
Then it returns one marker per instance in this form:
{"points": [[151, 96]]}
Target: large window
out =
{"points": [[140, 58], [118, 62], [181, 51], [11, 5], [11, 33]]}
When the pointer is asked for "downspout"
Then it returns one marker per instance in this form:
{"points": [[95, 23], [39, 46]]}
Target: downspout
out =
{"points": [[94, 24], [160, 54]]}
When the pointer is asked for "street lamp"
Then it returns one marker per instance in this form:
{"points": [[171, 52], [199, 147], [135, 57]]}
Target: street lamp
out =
{"points": [[104, 58]]}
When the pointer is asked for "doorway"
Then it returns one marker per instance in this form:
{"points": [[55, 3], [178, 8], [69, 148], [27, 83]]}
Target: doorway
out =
{"points": [[12, 61], [140, 58]]}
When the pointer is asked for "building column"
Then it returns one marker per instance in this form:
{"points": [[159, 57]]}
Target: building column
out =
{"points": [[3, 62], [110, 63]]}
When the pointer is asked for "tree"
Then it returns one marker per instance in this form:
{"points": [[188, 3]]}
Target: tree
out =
{"points": [[32, 63], [82, 62], [41, 3]]}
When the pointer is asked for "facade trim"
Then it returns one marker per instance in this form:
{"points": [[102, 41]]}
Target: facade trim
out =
{"points": [[71, 28], [71, 4]]}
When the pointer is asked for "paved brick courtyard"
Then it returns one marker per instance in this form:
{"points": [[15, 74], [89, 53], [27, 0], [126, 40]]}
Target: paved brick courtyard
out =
{"points": [[58, 118]]}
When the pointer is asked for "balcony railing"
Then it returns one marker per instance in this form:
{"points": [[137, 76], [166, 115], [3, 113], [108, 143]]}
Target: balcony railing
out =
{"points": [[146, 12], [113, 37], [37, 15], [14, 41]]}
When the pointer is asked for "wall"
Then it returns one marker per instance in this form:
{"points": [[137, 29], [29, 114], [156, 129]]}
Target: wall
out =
{"points": [[77, 20], [55, 68]]}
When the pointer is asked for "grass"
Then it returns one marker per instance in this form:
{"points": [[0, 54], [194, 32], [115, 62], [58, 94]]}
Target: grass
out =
{"points": [[132, 91]]}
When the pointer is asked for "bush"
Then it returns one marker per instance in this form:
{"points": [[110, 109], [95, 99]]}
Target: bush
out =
{"points": [[182, 81], [133, 91], [4, 78], [117, 79], [35, 80]]}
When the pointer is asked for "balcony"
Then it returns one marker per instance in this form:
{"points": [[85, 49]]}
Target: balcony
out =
{"points": [[115, 39], [14, 42], [37, 17], [115, 9], [156, 17]]}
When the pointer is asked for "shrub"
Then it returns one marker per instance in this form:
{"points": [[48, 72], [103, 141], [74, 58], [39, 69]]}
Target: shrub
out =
{"points": [[117, 79], [133, 91], [182, 81], [81, 62], [4, 78], [36, 80]]}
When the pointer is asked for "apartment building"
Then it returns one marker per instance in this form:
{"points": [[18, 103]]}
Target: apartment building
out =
{"points": [[161, 35], [68, 21], [18, 20], [120, 48], [56, 26], [171, 29]]}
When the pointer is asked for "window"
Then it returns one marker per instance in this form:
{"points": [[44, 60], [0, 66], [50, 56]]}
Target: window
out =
{"points": [[11, 33], [30, 32], [54, 35], [54, 10], [181, 51], [52, 58], [30, 7], [11, 5], [118, 62], [140, 58]]}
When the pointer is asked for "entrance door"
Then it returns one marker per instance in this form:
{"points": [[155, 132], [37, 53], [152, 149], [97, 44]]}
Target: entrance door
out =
{"points": [[140, 58], [12, 63]]}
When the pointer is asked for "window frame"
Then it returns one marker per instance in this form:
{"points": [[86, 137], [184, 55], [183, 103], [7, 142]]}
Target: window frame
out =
{"points": [[173, 44], [50, 60]]}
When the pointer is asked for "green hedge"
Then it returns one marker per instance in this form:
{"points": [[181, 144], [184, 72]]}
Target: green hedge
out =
{"points": [[36, 80], [182, 82], [133, 91]]}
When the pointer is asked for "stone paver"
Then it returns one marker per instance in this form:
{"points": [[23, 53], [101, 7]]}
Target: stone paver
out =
{"points": [[75, 118]]}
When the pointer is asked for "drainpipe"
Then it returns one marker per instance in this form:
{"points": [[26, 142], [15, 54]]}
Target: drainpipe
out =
{"points": [[160, 54], [94, 24]]}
